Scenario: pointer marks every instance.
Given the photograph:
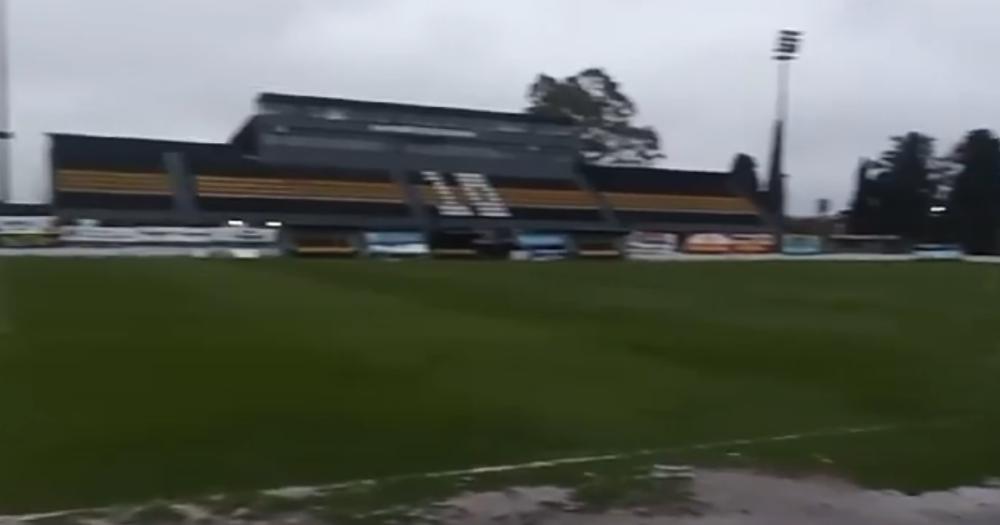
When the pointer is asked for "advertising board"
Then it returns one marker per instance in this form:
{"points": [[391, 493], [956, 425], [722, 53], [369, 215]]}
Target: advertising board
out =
{"points": [[396, 243], [28, 240], [650, 246], [99, 235], [541, 247], [707, 243], [752, 243], [234, 235], [801, 245], [937, 252], [171, 236], [174, 236], [27, 225]]}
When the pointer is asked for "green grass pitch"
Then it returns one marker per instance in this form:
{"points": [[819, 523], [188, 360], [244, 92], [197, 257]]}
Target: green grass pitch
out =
{"points": [[126, 380]]}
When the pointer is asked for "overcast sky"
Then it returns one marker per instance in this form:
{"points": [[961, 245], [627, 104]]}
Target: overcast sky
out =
{"points": [[698, 69]]}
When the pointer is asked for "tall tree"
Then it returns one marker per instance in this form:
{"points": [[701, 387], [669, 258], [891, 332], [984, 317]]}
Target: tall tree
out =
{"points": [[594, 101], [744, 175], [904, 189], [976, 195], [864, 213]]}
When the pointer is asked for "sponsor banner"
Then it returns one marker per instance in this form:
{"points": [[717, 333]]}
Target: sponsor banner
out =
{"points": [[707, 243], [937, 252], [141, 251], [399, 249], [539, 254], [28, 240], [520, 255], [396, 243], [394, 238], [752, 243], [541, 240], [27, 225], [229, 253], [651, 246], [801, 244], [99, 235], [245, 235], [168, 235], [328, 251], [157, 235], [718, 243], [542, 247]]}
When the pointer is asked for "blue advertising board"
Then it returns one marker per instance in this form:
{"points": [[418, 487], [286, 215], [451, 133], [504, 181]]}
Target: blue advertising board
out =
{"points": [[937, 252], [801, 244], [542, 247], [396, 243]]}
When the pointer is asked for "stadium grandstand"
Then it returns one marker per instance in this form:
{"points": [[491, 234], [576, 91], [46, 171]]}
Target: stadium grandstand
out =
{"points": [[328, 170]]}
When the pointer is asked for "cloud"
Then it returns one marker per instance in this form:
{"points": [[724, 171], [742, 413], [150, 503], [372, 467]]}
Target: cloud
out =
{"points": [[188, 69]]}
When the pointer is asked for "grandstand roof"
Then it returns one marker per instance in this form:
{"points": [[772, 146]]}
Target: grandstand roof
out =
{"points": [[278, 98], [106, 152], [99, 141]]}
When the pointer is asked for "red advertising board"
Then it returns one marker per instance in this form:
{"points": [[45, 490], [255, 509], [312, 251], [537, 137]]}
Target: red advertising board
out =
{"points": [[718, 243], [753, 243], [707, 243]]}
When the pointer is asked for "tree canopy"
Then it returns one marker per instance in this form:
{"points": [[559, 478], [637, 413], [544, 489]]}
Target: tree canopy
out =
{"points": [[866, 205], [913, 193], [904, 172], [744, 173], [594, 101], [894, 193], [976, 195]]}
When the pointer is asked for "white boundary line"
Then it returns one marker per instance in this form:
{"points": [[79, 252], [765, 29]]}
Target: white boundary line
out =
{"points": [[300, 492], [580, 460]]}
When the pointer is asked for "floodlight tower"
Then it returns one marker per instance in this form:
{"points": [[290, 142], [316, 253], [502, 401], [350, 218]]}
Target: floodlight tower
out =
{"points": [[786, 51], [6, 135]]}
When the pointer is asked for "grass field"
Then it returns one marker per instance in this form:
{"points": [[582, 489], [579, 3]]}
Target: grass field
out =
{"points": [[127, 380]]}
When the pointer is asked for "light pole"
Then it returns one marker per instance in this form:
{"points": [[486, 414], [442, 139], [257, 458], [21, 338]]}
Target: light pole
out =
{"points": [[6, 135], [787, 49]]}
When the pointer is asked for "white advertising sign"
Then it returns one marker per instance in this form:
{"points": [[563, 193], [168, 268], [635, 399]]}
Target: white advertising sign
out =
{"points": [[99, 234], [170, 235], [651, 246], [157, 235], [245, 235], [399, 249], [27, 225]]}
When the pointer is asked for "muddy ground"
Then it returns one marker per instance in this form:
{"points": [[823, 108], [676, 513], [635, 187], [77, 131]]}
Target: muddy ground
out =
{"points": [[658, 495]]}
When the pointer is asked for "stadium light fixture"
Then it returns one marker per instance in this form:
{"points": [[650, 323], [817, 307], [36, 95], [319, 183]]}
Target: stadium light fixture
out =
{"points": [[939, 209], [236, 223], [789, 44], [785, 51]]}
